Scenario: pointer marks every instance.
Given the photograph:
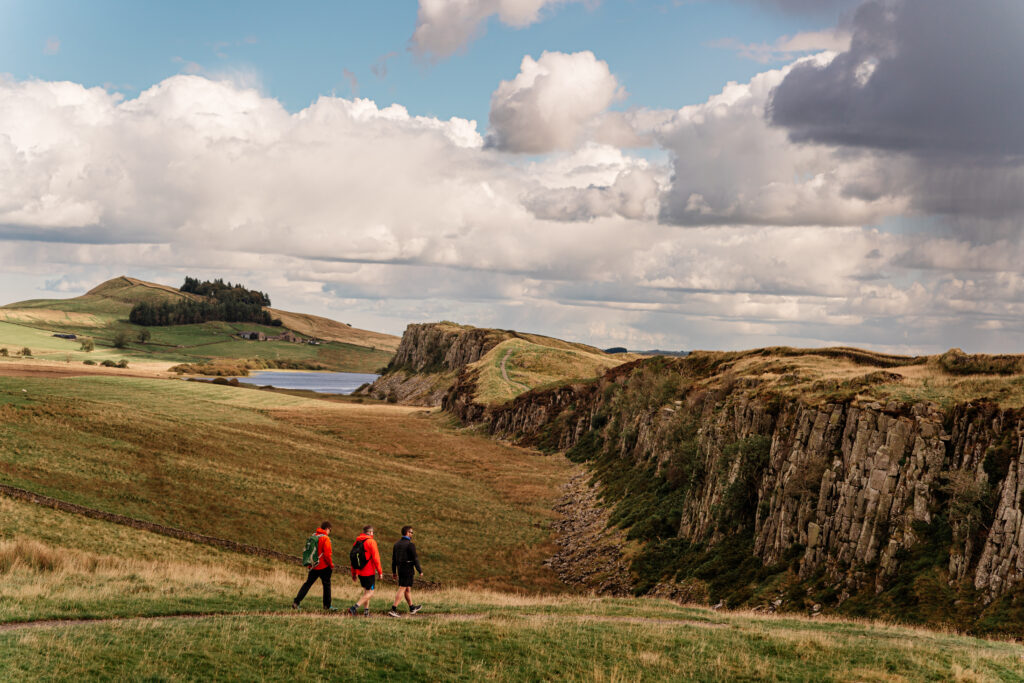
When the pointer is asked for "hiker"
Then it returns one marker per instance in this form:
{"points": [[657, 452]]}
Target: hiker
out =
{"points": [[317, 557], [366, 567], [403, 561]]}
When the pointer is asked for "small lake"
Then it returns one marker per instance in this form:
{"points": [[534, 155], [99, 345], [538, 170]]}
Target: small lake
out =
{"points": [[322, 382]]}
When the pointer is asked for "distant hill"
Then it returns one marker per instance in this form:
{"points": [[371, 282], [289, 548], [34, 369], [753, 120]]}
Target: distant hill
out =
{"points": [[500, 364], [102, 313], [132, 291]]}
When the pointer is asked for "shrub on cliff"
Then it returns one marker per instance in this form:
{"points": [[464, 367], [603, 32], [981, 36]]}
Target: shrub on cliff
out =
{"points": [[957, 362]]}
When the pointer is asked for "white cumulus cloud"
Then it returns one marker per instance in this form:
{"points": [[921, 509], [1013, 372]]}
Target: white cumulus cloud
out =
{"points": [[554, 103], [445, 26]]}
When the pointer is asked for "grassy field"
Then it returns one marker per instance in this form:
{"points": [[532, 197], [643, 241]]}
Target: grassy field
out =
{"points": [[103, 313], [265, 468], [529, 361], [54, 565]]}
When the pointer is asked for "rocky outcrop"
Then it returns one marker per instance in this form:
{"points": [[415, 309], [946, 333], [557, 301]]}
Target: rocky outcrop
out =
{"points": [[844, 491], [442, 347], [590, 551], [429, 360]]}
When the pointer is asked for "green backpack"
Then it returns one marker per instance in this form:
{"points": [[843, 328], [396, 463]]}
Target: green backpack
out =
{"points": [[311, 555]]}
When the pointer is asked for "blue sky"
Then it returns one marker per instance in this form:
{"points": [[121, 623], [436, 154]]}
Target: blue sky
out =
{"points": [[667, 174], [662, 51]]}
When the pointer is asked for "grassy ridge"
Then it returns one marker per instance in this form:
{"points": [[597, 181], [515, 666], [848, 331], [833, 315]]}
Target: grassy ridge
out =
{"points": [[263, 468], [532, 361]]}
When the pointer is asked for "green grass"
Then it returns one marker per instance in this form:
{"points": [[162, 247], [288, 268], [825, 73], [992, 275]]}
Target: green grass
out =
{"points": [[506, 648], [186, 344], [45, 346], [32, 323], [265, 468]]}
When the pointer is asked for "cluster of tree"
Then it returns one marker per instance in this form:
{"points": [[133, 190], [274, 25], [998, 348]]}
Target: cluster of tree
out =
{"points": [[217, 289], [225, 302], [190, 312]]}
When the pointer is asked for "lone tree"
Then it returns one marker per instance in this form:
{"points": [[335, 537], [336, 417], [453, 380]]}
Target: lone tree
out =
{"points": [[27, 352], [121, 340], [4, 352], [87, 344], [144, 336]]}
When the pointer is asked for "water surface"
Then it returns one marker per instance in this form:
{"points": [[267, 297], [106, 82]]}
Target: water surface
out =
{"points": [[322, 382]]}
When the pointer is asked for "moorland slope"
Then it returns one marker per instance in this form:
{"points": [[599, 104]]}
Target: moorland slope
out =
{"points": [[102, 313], [262, 468]]}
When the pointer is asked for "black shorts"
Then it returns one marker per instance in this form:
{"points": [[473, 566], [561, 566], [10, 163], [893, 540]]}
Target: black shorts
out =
{"points": [[368, 582], [405, 577]]}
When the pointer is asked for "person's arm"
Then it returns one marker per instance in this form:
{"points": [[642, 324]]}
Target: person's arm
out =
{"points": [[375, 557], [415, 557], [328, 552], [394, 560]]}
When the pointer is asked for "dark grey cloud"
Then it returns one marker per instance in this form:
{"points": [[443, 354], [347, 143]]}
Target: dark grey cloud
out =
{"points": [[935, 78], [812, 7]]}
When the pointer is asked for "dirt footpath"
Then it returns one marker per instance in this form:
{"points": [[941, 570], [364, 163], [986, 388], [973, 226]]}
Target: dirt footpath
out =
{"points": [[28, 367]]}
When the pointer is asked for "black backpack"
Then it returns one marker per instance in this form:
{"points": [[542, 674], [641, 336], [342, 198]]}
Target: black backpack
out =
{"points": [[358, 555]]}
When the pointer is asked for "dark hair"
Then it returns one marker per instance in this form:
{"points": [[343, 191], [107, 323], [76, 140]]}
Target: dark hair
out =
{"points": [[406, 529], [325, 525], [367, 529]]}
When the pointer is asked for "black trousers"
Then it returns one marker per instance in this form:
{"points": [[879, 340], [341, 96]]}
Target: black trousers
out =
{"points": [[325, 578]]}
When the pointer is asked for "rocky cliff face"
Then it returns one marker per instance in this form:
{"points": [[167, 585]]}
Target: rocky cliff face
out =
{"points": [[852, 502], [429, 359]]}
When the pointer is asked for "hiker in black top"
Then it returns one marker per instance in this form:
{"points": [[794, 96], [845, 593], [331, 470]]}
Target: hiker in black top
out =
{"points": [[403, 561]]}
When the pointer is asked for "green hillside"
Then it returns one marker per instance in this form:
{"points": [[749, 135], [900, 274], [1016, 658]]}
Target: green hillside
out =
{"points": [[102, 313], [263, 468]]}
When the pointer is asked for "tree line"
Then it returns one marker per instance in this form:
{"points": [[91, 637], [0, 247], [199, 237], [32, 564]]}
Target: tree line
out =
{"points": [[225, 302], [217, 289]]}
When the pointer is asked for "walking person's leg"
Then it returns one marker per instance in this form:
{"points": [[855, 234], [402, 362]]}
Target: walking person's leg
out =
{"points": [[310, 580], [325, 579]]}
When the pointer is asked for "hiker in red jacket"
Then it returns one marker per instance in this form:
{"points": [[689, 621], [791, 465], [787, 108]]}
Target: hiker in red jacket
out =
{"points": [[366, 568], [321, 569]]}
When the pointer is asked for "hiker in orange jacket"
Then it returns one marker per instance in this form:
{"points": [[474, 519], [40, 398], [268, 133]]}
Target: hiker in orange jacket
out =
{"points": [[366, 568], [321, 569]]}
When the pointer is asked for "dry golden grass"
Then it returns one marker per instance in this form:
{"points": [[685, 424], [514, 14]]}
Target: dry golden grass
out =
{"points": [[46, 316], [265, 468], [519, 364], [332, 330], [822, 375]]}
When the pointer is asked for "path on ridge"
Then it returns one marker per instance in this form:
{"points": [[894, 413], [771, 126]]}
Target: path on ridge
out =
{"points": [[504, 372], [444, 616]]}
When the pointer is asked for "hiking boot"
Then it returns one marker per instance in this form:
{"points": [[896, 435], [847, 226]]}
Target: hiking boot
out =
{"points": [[332, 608], [413, 609], [352, 610], [366, 612], [393, 613], [295, 605]]}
